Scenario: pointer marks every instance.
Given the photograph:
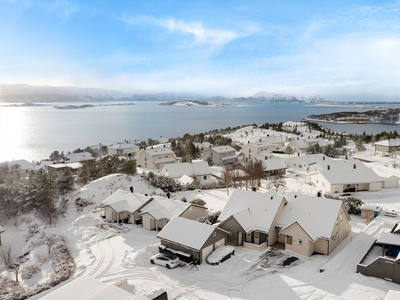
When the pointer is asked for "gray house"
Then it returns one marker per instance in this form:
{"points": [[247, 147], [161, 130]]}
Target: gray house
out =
{"points": [[382, 260], [191, 240], [221, 155]]}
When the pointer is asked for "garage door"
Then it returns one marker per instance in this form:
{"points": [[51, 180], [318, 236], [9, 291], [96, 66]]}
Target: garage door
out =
{"points": [[220, 243], [206, 252]]}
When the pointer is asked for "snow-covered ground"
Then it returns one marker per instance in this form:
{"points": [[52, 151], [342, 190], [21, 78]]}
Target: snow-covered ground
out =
{"points": [[110, 252]]}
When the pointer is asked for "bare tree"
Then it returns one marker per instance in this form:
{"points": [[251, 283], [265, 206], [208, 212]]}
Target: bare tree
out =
{"points": [[12, 260], [255, 172], [227, 177], [276, 182], [50, 239]]}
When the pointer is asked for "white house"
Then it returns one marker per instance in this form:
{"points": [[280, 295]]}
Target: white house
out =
{"points": [[390, 181], [199, 171], [79, 157], [123, 205], [310, 225], [301, 145], [251, 150], [22, 165], [341, 181], [386, 147], [156, 158]]}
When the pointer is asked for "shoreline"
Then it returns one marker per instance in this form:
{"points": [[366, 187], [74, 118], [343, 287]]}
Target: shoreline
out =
{"points": [[347, 123]]}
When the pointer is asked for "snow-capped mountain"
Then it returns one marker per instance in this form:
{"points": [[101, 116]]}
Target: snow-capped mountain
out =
{"points": [[272, 97]]}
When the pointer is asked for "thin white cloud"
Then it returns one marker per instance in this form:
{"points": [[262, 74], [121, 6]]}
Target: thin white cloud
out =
{"points": [[202, 35]]}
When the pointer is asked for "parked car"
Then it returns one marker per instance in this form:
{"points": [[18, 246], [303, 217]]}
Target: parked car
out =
{"points": [[390, 213], [220, 255], [167, 260]]}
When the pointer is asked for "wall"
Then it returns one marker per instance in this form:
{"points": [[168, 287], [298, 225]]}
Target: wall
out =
{"points": [[148, 222], [321, 246], [273, 232], [375, 186], [379, 268], [233, 226], [306, 248]]}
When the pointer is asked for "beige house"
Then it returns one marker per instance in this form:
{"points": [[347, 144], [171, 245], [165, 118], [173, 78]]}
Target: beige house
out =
{"points": [[310, 225], [251, 218], [156, 158], [252, 150], [160, 210], [387, 147], [123, 149], [199, 171], [221, 155]]}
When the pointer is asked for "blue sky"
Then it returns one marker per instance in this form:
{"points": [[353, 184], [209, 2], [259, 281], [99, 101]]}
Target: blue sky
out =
{"points": [[343, 50]]}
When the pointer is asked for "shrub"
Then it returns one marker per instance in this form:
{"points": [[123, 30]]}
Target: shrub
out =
{"points": [[184, 199], [198, 202], [29, 271], [210, 219], [353, 205]]}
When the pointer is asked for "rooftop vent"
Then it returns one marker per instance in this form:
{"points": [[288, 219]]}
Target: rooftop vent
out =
{"points": [[354, 166], [260, 140], [323, 157], [329, 167], [272, 197], [295, 196]]}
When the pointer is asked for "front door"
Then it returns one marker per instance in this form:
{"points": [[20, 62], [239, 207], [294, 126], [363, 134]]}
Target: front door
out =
{"points": [[240, 238], [288, 244]]}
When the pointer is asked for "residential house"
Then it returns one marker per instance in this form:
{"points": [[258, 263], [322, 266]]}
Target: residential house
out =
{"points": [[191, 240], [387, 147], [123, 149], [368, 210], [277, 142], [251, 218], [220, 155], [74, 167], [123, 206], [88, 288], [156, 158], [343, 181], [301, 145], [252, 150], [21, 165], [310, 225], [274, 166], [1, 231], [79, 157], [160, 210], [43, 165], [382, 259], [199, 171], [390, 181]]}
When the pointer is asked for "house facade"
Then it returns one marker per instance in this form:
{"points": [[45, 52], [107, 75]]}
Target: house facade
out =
{"points": [[221, 155], [199, 171], [156, 158], [123, 149], [301, 145], [387, 147], [191, 240], [252, 150]]}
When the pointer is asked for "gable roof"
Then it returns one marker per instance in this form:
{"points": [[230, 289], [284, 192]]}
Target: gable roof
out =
{"points": [[259, 145], [316, 215], [187, 232], [158, 151], [125, 201], [164, 208], [252, 210], [389, 143], [190, 169], [77, 157], [23, 163], [350, 176], [274, 163], [88, 288], [123, 146], [222, 149]]}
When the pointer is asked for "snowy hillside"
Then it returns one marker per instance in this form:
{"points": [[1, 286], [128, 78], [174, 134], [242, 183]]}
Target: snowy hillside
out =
{"points": [[273, 97]]}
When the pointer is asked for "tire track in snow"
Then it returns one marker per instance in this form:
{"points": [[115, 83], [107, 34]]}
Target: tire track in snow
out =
{"points": [[99, 239], [110, 263]]}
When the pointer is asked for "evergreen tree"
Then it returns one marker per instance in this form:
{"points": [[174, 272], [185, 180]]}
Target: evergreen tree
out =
{"points": [[128, 167], [65, 182]]}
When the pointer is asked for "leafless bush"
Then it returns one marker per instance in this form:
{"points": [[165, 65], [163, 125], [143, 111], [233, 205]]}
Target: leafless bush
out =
{"points": [[28, 271], [12, 260]]}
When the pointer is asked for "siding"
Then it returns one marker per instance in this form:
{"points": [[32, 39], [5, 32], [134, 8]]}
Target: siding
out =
{"points": [[234, 227]]}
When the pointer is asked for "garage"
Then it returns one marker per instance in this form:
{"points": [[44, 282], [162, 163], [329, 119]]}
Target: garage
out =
{"points": [[391, 182], [220, 243], [206, 252]]}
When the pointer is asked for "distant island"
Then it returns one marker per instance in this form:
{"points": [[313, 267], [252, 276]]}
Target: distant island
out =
{"points": [[196, 103], [386, 116], [90, 105]]}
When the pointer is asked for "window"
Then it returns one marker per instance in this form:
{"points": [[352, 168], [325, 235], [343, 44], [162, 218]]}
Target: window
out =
{"points": [[348, 185], [249, 150], [316, 181], [289, 239], [205, 177], [300, 242], [300, 166], [166, 156], [341, 216], [214, 234], [335, 237], [145, 159]]}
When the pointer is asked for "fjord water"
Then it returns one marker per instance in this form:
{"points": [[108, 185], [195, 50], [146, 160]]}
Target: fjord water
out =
{"points": [[34, 132]]}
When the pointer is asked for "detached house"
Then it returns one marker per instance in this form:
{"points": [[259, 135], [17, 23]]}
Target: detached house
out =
{"points": [[123, 149], [79, 157], [302, 145], [387, 147], [256, 150], [191, 240], [159, 211], [124, 206], [199, 171], [251, 218], [310, 225], [22, 165], [221, 155], [156, 158]]}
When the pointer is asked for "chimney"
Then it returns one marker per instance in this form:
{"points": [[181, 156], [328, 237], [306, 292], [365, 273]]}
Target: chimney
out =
{"points": [[329, 167], [210, 145], [272, 197], [298, 154], [248, 142], [151, 147], [346, 157], [131, 188], [354, 166], [260, 140], [190, 160], [146, 195], [295, 196], [297, 138], [323, 157], [164, 146], [268, 134], [254, 189]]}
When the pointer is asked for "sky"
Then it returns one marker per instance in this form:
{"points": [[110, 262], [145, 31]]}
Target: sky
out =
{"points": [[343, 50]]}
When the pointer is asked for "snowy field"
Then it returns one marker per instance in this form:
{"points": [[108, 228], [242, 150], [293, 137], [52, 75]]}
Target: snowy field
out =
{"points": [[111, 253]]}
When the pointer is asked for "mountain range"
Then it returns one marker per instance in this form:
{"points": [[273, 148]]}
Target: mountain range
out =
{"points": [[21, 93]]}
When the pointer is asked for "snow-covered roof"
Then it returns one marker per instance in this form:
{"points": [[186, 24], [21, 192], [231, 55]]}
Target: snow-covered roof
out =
{"points": [[190, 169], [229, 157], [253, 210], [389, 239], [77, 157], [161, 161], [314, 158], [350, 176], [393, 295], [88, 288], [159, 151], [223, 149], [74, 166], [274, 163], [1, 229], [273, 139], [125, 201], [164, 208], [123, 146], [202, 145], [23, 163], [187, 232], [186, 179], [316, 215], [372, 207], [305, 143], [389, 143], [259, 145], [42, 164]]}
